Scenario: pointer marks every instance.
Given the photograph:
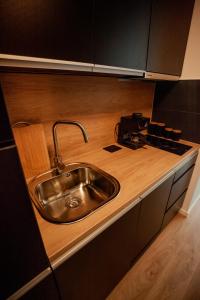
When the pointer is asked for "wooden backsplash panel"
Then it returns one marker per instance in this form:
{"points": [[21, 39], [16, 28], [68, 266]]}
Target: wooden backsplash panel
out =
{"points": [[97, 102]]}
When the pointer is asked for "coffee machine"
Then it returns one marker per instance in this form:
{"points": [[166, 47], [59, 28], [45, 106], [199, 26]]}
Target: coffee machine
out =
{"points": [[129, 129]]}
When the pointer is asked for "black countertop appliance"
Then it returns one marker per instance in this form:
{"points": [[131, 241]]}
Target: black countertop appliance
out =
{"points": [[129, 128]]}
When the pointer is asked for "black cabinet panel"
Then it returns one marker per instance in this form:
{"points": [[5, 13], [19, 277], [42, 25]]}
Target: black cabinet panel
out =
{"points": [[121, 33], [45, 290], [116, 250], [185, 167], [94, 271], [6, 137], [187, 122], [172, 211], [177, 104], [179, 187], [179, 96], [22, 252], [170, 24], [50, 29], [152, 212]]}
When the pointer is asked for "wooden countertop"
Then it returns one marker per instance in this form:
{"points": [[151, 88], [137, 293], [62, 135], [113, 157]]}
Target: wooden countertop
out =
{"points": [[136, 170]]}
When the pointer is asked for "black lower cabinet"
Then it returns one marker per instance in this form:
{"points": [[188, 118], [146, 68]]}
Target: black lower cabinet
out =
{"points": [[178, 191], [179, 187], [6, 136], [152, 212], [23, 256], [172, 211], [95, 270], [45, 290]]}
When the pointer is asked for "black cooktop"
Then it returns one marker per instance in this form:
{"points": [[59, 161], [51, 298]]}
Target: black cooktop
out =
{"points": [[167, 145], [157, 142]]}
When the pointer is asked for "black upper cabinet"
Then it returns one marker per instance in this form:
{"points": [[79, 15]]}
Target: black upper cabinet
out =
{"points": [[170, 24], [48, 29], [113, 33], [121, 33]]}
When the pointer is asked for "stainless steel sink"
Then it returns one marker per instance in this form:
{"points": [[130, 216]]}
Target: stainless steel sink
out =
{"points": [[75, 193]]}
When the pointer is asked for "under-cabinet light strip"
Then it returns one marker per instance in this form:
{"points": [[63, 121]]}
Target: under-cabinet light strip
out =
{"points": [[159, 76], [7, 60], [118, 70], [7, 147]]}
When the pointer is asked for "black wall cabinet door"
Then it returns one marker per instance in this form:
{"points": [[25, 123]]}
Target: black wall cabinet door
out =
{"points": [[170, 24], [152, 212], [49, 29], [121, 33], [94, 271], [22, 252]]}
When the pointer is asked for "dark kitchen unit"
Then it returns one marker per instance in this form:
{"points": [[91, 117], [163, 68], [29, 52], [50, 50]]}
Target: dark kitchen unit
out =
{"points": [[52, 44], [121, 33], [104, 261], [179, 188], [24, 260], [130, 38], [6, 136], [170, 24], [57, 29]]}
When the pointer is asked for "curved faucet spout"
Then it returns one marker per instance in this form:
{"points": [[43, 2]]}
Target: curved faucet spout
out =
{"points": [[58, 158]]}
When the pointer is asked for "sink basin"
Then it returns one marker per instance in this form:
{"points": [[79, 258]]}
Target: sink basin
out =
{"points": [[72, 195]]}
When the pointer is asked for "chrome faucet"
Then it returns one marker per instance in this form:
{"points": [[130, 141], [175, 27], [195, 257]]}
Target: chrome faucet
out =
{"points": [[58, 159]]}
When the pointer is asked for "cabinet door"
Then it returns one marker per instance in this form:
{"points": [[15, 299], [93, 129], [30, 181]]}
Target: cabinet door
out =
{"points": [[179, 187], [44, 290], [6, 137], [173, 210], [94, 271], [180, 172], [49, 29], [121, 33], [22, 252], [152, 212], [170, 24]]}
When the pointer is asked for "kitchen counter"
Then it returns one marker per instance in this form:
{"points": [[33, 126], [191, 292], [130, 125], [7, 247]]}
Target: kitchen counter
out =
{"points": [[136, 170]]}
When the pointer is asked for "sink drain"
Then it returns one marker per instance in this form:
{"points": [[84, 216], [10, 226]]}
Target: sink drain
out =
{"points": [[73, 202]]}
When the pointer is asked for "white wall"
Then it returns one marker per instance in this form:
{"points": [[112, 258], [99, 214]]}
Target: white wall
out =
{"points": [[191, 66], [193, 193]]}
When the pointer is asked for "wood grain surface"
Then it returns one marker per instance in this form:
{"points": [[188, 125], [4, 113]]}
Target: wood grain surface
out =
{"points": [[170, 268], [41, 97], [97, 102], [32, 148]]}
